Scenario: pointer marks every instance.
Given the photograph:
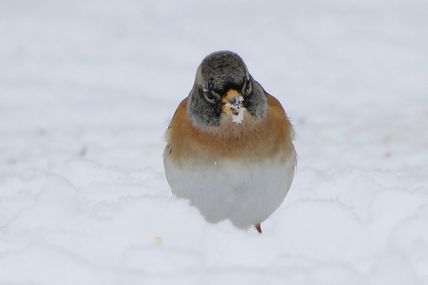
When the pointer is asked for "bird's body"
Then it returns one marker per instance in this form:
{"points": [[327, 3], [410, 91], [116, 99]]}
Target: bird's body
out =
{"points": [[238, 165]]}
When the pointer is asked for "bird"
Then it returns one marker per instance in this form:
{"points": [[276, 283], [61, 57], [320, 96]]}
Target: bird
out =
{"points": [[229, 146]]}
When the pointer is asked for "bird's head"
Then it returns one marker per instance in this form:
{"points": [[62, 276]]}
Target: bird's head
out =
{"points": [[224, 88]]}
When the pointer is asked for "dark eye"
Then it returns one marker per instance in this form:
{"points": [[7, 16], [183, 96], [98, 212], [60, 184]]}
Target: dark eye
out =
{"points": [[210, 96], [248, 88]]}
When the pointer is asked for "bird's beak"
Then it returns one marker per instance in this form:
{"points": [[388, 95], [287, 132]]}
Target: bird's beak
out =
{"points": [[232, 103]]}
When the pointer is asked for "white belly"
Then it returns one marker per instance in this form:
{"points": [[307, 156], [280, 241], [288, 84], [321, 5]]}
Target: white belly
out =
{"points": [[245, 193]]}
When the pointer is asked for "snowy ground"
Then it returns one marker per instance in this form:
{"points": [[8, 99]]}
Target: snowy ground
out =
{"points": [[88, 87]]}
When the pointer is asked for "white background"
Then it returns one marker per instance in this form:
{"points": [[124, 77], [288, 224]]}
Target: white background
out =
{"points": [[87, 88]]}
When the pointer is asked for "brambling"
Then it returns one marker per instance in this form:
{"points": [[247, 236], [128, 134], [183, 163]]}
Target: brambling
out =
{"points": [[229, 145]]}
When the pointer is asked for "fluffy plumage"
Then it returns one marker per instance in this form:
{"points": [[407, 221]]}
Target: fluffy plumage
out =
{"points": [[228, 169]]}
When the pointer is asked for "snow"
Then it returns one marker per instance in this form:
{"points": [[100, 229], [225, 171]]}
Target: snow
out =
{"points": [[87, 89], [236, 107]]}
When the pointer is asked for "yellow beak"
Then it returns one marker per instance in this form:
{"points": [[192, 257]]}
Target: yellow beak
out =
{"points": [[232, 102]]}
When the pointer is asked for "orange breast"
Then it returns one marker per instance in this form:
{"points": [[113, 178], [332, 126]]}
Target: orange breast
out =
{"points": [[253, 139]]}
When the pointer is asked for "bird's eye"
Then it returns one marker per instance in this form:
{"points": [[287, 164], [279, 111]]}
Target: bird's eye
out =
{"points": [[248, 88], [210, 96]]}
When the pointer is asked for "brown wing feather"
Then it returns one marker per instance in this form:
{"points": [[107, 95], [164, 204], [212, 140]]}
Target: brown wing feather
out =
{"points": [[254, 139]]}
